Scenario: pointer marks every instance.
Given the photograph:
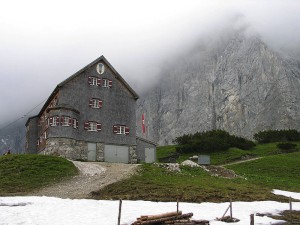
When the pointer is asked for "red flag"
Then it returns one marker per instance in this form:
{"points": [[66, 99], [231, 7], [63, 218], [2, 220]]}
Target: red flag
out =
{"points": [[143, 124]]}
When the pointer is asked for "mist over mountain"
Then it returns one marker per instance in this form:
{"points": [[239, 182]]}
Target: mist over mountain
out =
{"points": [[232, 81]]}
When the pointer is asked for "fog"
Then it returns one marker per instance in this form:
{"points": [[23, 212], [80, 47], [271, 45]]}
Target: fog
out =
{"points": [[44, 42]]}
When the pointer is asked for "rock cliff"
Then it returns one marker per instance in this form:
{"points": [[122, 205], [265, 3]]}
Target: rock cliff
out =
{"points": [[234, 82]]}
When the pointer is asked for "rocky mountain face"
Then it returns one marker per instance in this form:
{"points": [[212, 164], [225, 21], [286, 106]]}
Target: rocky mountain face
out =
{"points": [[234, 82], [12, 137]]}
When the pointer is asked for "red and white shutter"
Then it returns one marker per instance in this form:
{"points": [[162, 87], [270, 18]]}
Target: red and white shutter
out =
{"points": [[126, 130], [51, 121], [70, 122], [90, 80], [98, 81], [100, 103], [90, 102], [62, 120], [115, 129], [57, 120], [86, 125], [98, 126], [109, 83], [77, 123]]}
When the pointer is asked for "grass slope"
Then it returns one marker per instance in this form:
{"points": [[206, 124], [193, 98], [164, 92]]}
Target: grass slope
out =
{"points": [[196, 185], [23, 173]]}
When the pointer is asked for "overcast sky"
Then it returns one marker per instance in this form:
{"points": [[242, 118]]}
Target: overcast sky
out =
{"points": [[43, 42]]}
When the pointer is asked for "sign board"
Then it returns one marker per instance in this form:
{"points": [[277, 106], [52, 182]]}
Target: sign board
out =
{"points": [[204, 160]]}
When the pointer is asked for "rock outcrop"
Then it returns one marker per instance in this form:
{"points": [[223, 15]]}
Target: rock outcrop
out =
{"points": [[235, 82]]}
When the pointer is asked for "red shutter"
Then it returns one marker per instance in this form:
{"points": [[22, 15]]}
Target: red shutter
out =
{"points": [[62, 120], [98, 81], [110, 83], [100, 103], [57, 120], [77, 125], [91, 103], [86, 125], [115, 129], [98, 126], [90, 80], [70, 121], [126, 130], [51, 121]]}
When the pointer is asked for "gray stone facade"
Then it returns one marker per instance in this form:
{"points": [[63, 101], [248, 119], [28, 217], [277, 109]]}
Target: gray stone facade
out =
{"points": [[112, 122]]}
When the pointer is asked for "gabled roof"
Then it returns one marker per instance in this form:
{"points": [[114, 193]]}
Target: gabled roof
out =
{"points": [[101, 58]]}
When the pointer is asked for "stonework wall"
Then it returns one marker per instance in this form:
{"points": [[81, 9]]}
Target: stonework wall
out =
{"points": [[68, 148], [132, 155], [100, 152]]}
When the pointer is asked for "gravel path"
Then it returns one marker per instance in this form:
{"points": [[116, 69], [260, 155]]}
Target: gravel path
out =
{"points": [[93, 176]]}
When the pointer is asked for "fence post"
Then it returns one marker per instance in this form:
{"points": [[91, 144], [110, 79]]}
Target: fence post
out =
{"points": [[230, 209], [120, 208], [251, 219], [291, 209]]}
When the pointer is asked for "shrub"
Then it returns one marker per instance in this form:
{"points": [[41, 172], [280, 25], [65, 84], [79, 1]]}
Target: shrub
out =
{"points": [[286, 146], [210, 141], [277, 135]]}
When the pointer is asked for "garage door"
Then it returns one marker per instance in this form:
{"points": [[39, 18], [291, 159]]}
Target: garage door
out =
{"points": [[149, 155], [116, 153]]}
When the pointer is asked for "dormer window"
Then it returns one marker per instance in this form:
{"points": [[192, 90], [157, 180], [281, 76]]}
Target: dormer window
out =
{"points": [[94, 81]]}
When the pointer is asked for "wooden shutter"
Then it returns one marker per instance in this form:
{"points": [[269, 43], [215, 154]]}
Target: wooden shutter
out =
{"points": [[90, 80], [57, 120], [109, 83], [86, 125], [126, 130], [98, 126], [91, 103], [62, 120], [115, 129], [51, 121], [98, 81], [70, 122], [100, 103]]}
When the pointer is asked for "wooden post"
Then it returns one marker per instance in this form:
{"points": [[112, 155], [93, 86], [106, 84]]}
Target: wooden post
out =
{"points": [[252, 219], [120, 208], [177, 205], [291, 209], [230, 209]]}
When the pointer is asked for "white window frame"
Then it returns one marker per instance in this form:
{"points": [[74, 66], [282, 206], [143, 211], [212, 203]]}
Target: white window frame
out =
{"points": [[94, 81], [66, 121], [92, 126], [54, 121], [95, 103], [75, 121], [121, 129], [105, 82]]}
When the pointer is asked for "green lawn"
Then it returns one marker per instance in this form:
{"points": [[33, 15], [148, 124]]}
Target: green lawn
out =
{"points": [[22, 173]]}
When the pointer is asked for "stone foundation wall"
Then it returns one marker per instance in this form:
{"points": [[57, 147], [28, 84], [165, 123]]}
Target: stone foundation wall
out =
{"points": [[77, 150]]}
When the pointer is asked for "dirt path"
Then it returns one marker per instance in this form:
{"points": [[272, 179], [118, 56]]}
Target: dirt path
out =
{"points": [[93, 176], [241, 161]]}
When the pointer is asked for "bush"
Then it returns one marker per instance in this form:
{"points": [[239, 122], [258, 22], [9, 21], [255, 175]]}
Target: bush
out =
{"points": [[210, 141], [277, 136], [286, 146]]}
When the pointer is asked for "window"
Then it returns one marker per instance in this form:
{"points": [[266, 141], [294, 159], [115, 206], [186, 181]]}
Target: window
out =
{"points": [[94, 81], [106, 83], [66, 121], [53, 121], [95, 103], [75, 123], [92, 126], [100, 68], [120, 129]]}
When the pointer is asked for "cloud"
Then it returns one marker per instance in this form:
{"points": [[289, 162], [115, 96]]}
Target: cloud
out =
{"points": [[44, 42]]}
